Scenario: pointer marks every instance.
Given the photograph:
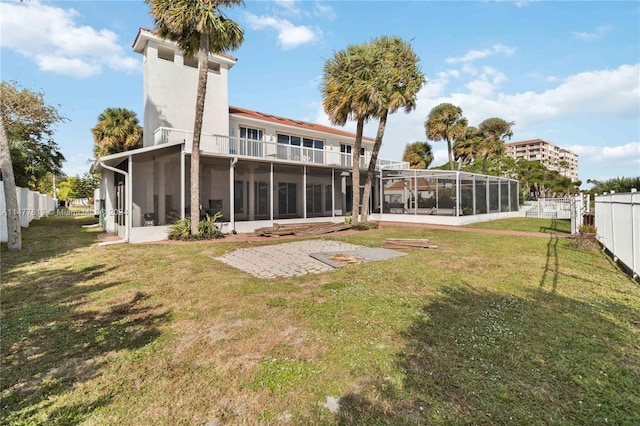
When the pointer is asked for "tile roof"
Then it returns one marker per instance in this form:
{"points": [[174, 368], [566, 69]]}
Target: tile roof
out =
{"points": [[291, 122]]}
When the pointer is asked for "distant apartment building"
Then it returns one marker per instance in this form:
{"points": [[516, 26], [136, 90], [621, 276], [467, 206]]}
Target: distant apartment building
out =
{"points": [[552, 156]]}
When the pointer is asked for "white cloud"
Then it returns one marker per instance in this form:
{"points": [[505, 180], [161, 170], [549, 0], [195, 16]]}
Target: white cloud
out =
{"points": [[324, 11], [51, 37], [627, 153], [289, 7], [289, 35], [593, 35], [473, 55]]}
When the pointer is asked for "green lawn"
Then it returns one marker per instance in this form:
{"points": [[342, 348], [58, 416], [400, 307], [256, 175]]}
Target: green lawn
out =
{"points": [[527, 224], [484, 330]]}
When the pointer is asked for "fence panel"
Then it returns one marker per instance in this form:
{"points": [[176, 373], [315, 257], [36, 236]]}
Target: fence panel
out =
{"points": [[31, 205], [618, 227]]}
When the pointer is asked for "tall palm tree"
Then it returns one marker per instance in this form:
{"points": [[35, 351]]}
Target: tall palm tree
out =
{"points": [[346, 88], [398, 81], [464, 148], [445, 122], [419, 155], [493, 132], [197, 26], [14, 233], [117, 131]]}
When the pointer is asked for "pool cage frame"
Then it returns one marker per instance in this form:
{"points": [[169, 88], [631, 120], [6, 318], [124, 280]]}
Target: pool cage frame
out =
{"points": [[446, 193]]}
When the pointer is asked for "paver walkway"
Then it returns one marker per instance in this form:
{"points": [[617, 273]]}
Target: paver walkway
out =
{"points": [[284, 260]]}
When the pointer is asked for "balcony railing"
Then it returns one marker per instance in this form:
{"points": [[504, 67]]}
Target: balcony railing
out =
{"points": [[237, 147]]}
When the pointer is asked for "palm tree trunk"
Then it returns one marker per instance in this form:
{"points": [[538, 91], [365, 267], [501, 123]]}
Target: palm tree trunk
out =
{"points": [[14, 233], [484, 164], [203, 59], [372, 166], [355, 168], [450, 151]]}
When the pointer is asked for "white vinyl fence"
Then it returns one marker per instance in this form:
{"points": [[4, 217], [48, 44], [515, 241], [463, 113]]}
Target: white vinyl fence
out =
{"points": [[618, 227], [31, 205]]}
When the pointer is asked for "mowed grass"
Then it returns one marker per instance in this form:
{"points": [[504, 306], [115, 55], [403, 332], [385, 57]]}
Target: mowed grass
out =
{"points": [[527, 224], [484, 330]]}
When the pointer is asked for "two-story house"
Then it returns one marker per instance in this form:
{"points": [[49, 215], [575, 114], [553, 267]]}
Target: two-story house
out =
{"points": [[256, 168]]}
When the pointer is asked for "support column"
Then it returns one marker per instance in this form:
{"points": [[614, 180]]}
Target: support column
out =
{"points": [[162, 190], [232, 193], [271, 192], [415, 193], [333, 192], [458, 193], [474, 195], [182, 183], [304, 192]]}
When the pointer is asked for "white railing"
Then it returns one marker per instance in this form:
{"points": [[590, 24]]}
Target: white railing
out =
{"points": [[551, 208], [618, 227], [237, 147]]}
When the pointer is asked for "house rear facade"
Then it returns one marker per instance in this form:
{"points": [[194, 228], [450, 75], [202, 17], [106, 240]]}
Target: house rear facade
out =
{"points": [[257, 168]]}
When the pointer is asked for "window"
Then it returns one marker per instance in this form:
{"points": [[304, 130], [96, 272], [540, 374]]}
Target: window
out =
{"points": [[287, 198], [166, 53], [311, 148], [314, 199], [249, 133], [328, 194], [214, 67], [238, 197], [190, 61], [261, 198], [247, 145]]}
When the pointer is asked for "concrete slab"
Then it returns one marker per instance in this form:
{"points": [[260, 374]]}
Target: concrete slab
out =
{"points": [[339, 259]]}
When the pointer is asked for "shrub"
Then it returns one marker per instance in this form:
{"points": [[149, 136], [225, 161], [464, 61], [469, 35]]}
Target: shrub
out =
{"points": [[207, 228], [587, 229], [363, 226], [348, 219]]}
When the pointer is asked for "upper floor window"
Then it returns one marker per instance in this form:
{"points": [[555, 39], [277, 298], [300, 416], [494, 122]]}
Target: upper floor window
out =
{"points": [[346, 149], [166, 53], [249, 133]]}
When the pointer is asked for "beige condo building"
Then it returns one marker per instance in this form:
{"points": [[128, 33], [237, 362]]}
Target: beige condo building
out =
{"points": [[553, 157]]}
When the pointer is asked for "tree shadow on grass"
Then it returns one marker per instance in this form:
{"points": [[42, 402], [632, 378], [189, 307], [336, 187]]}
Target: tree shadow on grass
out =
{"points": [[49, 237], [53, 340], [560, 226], [478, 357]]}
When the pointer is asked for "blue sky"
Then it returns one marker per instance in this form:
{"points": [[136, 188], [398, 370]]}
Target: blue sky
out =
{"points": [[565, 72]]}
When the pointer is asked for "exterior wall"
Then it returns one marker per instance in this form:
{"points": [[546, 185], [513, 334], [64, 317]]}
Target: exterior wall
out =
{"points": [[170, 94], [271, 130], [443, 220]]}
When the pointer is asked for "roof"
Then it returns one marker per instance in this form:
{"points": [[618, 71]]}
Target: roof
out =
{"points": [[528, 141], [154, 33], [242, 112]]}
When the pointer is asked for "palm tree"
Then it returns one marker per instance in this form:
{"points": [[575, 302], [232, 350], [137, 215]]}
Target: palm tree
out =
{"points": [[346, 89], [398, 81], [445, 122], [493, 132], [14, 233], [463, 148], [419, 155], [117, 131], [197, 26]]}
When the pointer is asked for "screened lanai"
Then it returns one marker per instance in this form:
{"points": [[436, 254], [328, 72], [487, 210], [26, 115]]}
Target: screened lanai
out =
{"points": [[446, 193]]}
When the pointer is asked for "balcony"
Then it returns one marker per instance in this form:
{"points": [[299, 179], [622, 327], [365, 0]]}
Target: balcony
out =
{"points": [[247, 148]]}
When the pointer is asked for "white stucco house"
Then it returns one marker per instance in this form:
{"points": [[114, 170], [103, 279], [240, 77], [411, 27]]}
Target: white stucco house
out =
{"points": [[256, 168]]}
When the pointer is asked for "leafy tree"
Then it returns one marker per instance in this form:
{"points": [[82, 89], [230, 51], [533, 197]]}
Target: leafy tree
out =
{"points": [[398, 79], [493, 132], [29, 124], [346, 87], [66, 190], [14, 237], [197, 26], [85, 185], [117, 131], [445, 122], [617, 184], [419, 155], [464, 148]]}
